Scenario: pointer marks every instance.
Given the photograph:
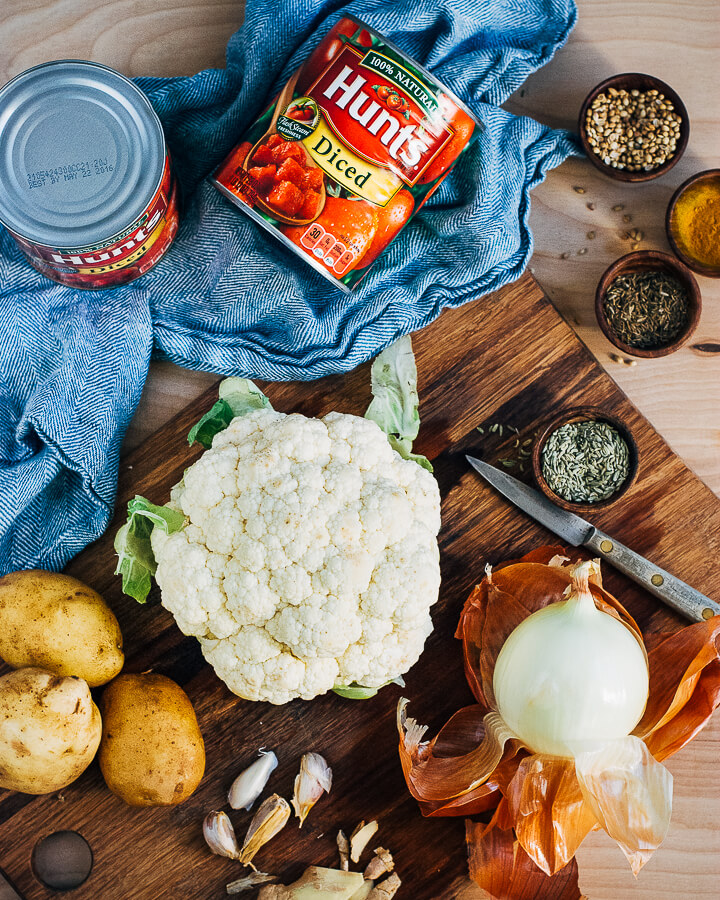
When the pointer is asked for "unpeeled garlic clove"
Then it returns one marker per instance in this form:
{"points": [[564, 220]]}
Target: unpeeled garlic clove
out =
{"points": [[315, 777], [219, 835], [250, 783], [272, 816]]}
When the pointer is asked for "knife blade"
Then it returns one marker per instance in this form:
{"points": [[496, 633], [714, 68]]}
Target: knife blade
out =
{"points": [[580, 533]]}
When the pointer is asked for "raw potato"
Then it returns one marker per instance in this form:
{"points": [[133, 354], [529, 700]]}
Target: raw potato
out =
{"points": [[49, 730], [152, 752], [57, 623]]}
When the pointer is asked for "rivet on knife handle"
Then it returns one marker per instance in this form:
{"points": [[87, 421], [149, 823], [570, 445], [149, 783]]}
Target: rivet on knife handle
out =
{"points": [[666, 587]]}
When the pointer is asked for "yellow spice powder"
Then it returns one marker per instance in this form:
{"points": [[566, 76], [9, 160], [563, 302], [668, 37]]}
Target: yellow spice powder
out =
{"points": [[696, 222]]}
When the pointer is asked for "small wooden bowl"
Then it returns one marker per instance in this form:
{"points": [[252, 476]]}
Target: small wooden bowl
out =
{"points": [[670, 225], [635, 81], [584, 414], [649, 261]]}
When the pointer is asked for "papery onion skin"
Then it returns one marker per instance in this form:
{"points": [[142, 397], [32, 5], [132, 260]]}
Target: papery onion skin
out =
{"points": [[570, 677], [540, 818]]}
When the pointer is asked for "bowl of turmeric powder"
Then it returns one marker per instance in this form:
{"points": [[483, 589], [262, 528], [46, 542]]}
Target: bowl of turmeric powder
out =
{"points": [[693, 223]]}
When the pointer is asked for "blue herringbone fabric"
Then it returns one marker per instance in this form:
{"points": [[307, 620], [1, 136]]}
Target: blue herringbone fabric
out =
{"points": [[227, 297]]}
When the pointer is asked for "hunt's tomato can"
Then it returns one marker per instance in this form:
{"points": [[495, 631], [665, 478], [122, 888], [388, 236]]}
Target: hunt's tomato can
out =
{"points": [[86, 184], [348, 152]]}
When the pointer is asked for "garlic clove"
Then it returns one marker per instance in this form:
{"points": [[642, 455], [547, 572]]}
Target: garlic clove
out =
{"points": [[219, 835], [360, 837], [250, 783], [272, 816], [314, 779], [344, 850], [249, 882]]}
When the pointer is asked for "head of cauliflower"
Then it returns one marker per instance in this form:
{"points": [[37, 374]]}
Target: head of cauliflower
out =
{"points": [[309, 558]]}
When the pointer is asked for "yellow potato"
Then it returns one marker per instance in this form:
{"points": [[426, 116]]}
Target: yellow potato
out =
{"points": [[152, 752], [49, 730], [59, 624]]}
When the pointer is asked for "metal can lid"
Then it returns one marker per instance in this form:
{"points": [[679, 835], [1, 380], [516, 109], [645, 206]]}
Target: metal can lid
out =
{"points": [[82, 153]]}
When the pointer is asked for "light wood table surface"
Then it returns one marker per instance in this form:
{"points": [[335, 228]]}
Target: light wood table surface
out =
{"points": [[677, 40]]}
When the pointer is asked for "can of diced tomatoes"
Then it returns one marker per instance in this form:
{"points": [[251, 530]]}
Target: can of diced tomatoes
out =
{"points": [[86, 185], [348, 152]]}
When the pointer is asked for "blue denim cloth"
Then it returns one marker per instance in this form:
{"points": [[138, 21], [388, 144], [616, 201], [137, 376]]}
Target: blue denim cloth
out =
{"points": [[229, 298]]}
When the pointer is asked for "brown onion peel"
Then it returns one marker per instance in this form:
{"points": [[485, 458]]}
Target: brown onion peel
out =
{"points": [[544, 805], [499, 865]]}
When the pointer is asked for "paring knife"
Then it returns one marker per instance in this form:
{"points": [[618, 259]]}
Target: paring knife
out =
{"points": [[576, 531]]}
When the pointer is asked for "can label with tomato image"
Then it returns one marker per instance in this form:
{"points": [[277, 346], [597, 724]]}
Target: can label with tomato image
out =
{"points": [[124, 257], [348, 152]]}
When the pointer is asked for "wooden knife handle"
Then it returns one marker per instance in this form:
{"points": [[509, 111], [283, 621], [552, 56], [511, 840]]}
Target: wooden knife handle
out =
{"points": [[666, 587]]}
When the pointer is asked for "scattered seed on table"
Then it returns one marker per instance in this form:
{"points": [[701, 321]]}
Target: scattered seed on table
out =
{"points": [[564, 256], [579, 190], [590, 206], [590, 235], [582, 251], [618, 207], [622, 360], [627, 218]]}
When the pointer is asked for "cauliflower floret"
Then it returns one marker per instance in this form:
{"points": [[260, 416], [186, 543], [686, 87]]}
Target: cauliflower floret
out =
{"points": [[309, 557]]}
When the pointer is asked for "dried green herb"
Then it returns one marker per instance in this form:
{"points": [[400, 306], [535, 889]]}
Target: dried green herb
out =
{"points": [[646, 310], [584, 462]]}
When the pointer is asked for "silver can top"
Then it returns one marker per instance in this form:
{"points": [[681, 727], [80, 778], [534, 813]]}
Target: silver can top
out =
{"points": [[82, 153]]}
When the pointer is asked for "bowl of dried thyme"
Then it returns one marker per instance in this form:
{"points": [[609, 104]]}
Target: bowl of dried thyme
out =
{"points": [[648, 304], [693, 223], [633, 127], [585, 459]]}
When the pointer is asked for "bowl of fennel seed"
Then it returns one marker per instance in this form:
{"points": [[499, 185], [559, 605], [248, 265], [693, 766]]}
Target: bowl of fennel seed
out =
{"points": [[647, 304], [585, 459]]}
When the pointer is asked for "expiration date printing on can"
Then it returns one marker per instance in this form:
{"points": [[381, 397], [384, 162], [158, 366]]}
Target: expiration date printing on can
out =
{"points": [[69, 172], [96, 204]]}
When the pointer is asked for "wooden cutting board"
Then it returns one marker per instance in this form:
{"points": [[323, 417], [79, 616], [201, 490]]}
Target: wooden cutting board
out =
{"points": [[508, 358]]}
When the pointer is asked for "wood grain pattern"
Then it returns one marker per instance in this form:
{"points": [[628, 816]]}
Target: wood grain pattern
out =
{"points": [[668, 515], [678, 42]]}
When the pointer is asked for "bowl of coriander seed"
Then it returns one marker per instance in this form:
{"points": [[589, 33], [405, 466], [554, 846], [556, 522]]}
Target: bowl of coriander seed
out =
{"points": [[633, 127], [647, 304], [585, 459]]}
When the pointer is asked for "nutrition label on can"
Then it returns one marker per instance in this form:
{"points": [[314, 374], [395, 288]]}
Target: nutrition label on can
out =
{"points": [[328, 248], [86, 168]]}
